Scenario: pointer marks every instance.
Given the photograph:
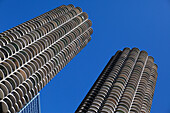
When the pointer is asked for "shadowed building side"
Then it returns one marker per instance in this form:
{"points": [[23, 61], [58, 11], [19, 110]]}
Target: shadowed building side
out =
{"points": [[125, 85], [32, 53]]}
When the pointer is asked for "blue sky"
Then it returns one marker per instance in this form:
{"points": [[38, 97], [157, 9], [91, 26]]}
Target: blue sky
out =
{"points": [[117, 24]]}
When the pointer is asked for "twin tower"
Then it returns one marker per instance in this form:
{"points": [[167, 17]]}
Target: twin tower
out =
{"points": [[32, 53]]}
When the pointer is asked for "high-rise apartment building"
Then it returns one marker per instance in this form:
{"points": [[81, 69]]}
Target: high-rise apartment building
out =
{"points": [[33, 106], [126, 85], [32, 53]]}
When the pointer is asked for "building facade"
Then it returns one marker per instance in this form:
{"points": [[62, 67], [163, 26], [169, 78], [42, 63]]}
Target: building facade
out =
{"points": [[32, 53], [33, 106], [126, 85]]}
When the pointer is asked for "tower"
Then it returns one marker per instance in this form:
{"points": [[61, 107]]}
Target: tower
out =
{"points": [[126, 85], [32, 53]]}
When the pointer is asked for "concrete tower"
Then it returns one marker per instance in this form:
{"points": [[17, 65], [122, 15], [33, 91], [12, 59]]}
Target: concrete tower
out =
{"points": [[126, 85], [32, 53]]}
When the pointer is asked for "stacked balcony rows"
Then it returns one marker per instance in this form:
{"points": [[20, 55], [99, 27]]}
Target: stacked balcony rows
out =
{"points": [[150, 88], [97, 100], [14, 43], [30, 60], [86, 103], [128, 86], [34, 23], [118, 86], [129, 92]]}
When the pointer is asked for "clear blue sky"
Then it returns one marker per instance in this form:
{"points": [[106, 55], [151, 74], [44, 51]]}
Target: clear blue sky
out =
{"points": [[117, 24]]}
